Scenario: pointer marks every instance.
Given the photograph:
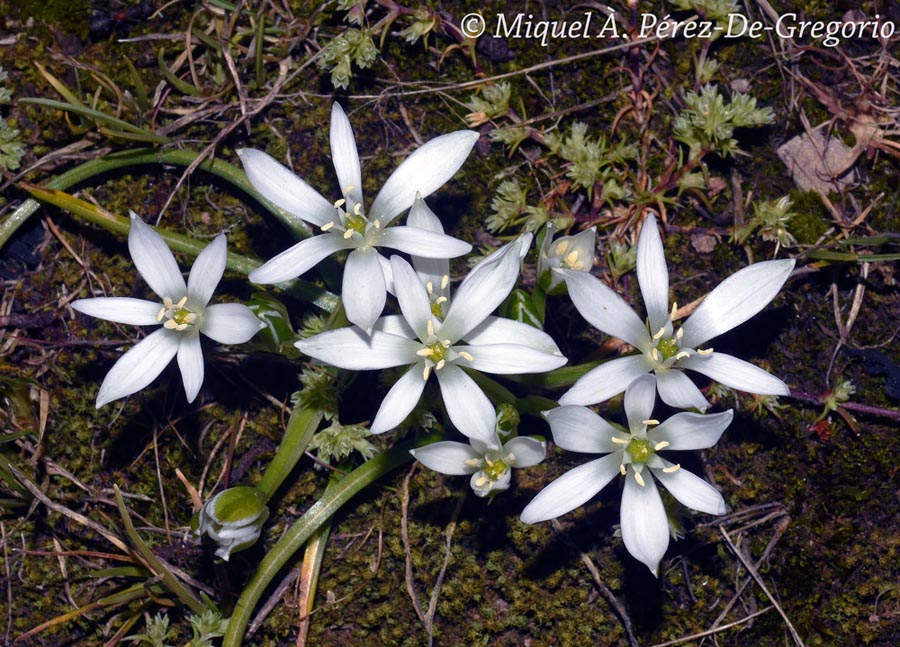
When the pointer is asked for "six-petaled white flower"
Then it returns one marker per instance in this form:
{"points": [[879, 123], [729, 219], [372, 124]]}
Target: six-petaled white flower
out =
{"points": [[182, 311], [490, 463], [633, 454], [663, 350], [467, 337], [346, 225]]}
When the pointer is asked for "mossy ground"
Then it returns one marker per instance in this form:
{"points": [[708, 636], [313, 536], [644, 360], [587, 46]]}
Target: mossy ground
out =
{"points": [[816, 507]]}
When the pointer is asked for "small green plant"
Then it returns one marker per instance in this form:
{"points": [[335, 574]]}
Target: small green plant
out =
{"points": [[354, 46], [11, 148], [769, 222]]}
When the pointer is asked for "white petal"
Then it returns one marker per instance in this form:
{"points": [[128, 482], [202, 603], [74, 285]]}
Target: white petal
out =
{"points": [[421, 242], [207, 272], [605, 381], [448, 457], [394, 325], [497, 330], [363, 290], [645, 527], [139, 366], [423, 173], [353, 349], [412, 296], [296, 260], [280, 186], [483, 290], [190, 362], [604, 309], [526, 450], [677, 390], [735, 300], [640, 398], [136, 312], [736, 373], [685, 431], [572, 489], [423, 217], [230, 323], [507, 359], [578, 429], [469, 409], [345, 156], [652, 274], [387, 272], [400, 400], [691, 491], [154, 260]]}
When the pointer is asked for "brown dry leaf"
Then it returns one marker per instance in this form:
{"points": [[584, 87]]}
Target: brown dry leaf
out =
{"points": [[818, 163]]}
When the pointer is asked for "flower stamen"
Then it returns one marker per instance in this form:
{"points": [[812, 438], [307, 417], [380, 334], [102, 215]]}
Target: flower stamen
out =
{"points": [[672, 469]]}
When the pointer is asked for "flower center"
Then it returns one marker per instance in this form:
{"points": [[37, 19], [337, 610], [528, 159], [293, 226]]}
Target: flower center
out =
{"points": [[438, 297], [494, 467], [667, 347], [356, 222], [437, 352], [640, 450], [176, 316], [569, 259]]}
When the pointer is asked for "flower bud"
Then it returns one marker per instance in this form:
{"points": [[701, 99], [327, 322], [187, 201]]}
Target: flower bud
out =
{"points": [[233, 519]]}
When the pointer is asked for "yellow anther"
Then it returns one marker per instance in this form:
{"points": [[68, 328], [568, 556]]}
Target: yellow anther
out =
{"points": [[561, 247], [429, 287], [572, 257], [424, 352], [182, 302], [439, 365], [440, 300], [670, 470], [377, 223], [349, 188], [327, 226], [481, 480], [681, 355], [426, 372], [190, 317], [650, 422], [167, 302], [577, 266], [622, 470], [661, 445], [161, 314], [674, 310], [655, 355], [348, 234], [446, 343], [170, 324], [445, 281], [704, 351], [679, 334], [429, 328], [659, 333], [620, 441], [339, 203], [466, 356], [639, 478], [473, 462], [357, 210]]}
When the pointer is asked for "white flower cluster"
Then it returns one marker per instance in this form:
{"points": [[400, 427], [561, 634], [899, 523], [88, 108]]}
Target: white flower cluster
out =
{"points": [[455, 338]]}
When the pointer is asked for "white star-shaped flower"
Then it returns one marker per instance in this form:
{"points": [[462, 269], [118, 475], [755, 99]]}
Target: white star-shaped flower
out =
{"points": [[490, 463], [346, 225], [633, 454], [468, 336], [664, 350], [183, 312]]}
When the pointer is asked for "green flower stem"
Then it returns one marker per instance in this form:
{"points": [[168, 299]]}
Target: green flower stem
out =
{"points": [[304, 528], [139, 157], [300, 429]]}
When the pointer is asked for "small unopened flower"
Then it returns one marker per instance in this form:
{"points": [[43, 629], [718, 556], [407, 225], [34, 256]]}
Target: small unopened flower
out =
{"points": [[633, 454], [490, 463], [663, 350], [233, 519], [468, 336], [566, 252], [182, 310], [347, 225]]}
